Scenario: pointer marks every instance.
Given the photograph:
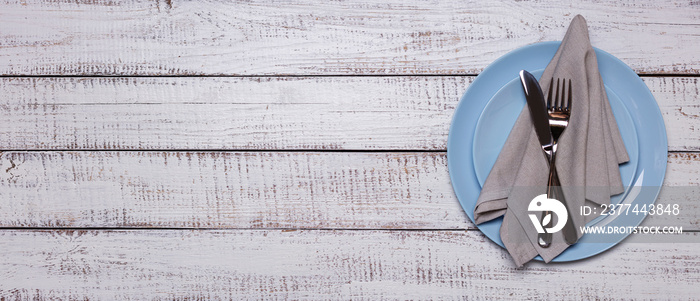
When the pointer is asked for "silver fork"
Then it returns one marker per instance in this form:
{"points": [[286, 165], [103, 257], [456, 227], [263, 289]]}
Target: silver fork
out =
{"points": [[559, 108]]}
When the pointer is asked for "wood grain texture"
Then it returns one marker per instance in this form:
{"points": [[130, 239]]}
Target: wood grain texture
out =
{"points": [[319, 113], [131, 37], [229, 113], [367, 265], [193, 187], [259, 190]]}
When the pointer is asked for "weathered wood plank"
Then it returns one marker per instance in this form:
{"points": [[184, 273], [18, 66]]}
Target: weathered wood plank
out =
{"points": [[258, 190], [407, 113], [368, 265], [120, 37], [679, 101], [228, 113]]}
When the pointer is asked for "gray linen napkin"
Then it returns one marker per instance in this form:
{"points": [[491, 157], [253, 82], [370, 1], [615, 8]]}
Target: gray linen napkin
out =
{"points": [[588, 155]]}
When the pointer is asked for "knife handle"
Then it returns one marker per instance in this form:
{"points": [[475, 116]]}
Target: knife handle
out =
{"points": [[554, 191]]}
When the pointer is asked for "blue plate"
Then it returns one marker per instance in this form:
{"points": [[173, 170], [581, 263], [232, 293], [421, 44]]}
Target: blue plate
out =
{"points": [[472, 139]]}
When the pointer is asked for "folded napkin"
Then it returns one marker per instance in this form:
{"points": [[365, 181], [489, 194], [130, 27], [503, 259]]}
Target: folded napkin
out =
{"points": [[588, 155]]}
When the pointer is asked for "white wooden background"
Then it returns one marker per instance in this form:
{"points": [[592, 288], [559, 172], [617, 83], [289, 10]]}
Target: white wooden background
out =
{"points": [[296, 150]]}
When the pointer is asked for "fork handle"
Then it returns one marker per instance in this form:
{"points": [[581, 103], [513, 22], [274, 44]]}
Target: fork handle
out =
{"points": [[554, 191]]}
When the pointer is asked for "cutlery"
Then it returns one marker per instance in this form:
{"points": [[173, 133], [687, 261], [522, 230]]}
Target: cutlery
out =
{"points": [[540, 119], [559, 107], [538, 111], [549, 123]]}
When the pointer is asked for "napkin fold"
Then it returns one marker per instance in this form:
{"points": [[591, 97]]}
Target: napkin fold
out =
{"points": [[588, 155]]}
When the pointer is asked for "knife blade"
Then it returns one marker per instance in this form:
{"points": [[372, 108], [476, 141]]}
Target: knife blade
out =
{"points": [[538, 110], [540, 119]]}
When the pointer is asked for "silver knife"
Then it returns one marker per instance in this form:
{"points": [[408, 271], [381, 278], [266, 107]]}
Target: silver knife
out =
{"points": [[540, 119], [538, 111]]}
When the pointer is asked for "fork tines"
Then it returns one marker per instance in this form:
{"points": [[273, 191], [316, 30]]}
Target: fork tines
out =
{"points": [[559, 100]]}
